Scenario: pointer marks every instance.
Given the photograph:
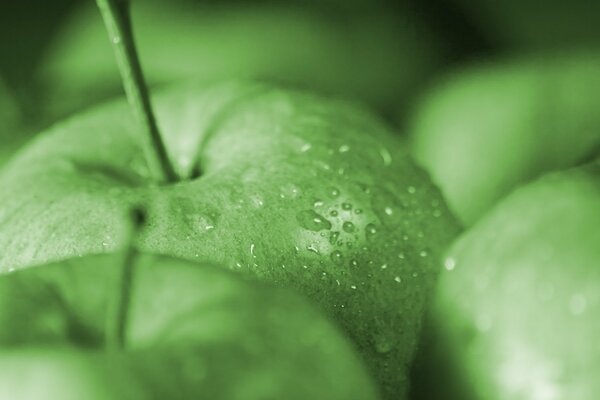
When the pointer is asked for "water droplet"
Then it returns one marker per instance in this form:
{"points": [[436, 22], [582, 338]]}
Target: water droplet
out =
{"points": [[333, 237], [312, 221], [344, 148], [398, 279], [252, 250], [577, 304], [336, 256], [370, 232], [333, 192], [305, 147], [386, 156], [290, 191], [353, 263], [312, 249], [317, 203], [333, 213], [346, 206], [324, 165], [338, 282], [353, 287], [388, 211], [383, 345], [116, 39], [450, 263], [437, 213], [384, 266], [348, 227], [423, 253], [411, 189], [358, 211]]}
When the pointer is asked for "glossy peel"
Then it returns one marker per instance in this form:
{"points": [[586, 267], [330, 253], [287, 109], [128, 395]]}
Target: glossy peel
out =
{"points": [[298, 190]]}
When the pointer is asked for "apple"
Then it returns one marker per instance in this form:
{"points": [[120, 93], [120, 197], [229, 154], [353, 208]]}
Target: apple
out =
{"points": [[491, 128], [190, 331], [373, 56], [296, 189], [517, 307]]}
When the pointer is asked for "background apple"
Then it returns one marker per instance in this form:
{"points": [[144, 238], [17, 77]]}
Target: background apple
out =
{"points": [[516, 311], [192, 330], [299, 190], [486, 130], [305, 46]]}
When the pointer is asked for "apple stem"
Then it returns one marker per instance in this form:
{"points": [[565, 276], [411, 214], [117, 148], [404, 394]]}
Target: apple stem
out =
{"points": [[116, 15], [118, 308]]}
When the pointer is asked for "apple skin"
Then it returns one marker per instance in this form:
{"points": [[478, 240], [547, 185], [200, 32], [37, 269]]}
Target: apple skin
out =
{"points": [[298, 45], [194, 331], [518, 311], [487, 129], [301, 191]]}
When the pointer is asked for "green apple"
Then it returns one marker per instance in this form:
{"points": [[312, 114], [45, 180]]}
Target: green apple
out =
{"points": [[296, 189], [376, 57], [517, 307], [490, 128], [191, 331]]}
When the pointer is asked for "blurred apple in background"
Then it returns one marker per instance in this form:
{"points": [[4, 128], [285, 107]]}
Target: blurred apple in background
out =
{"points": [[192, 331], [377, 56], [489, 128], [516, 313]]}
